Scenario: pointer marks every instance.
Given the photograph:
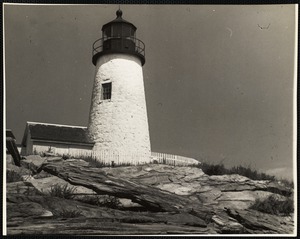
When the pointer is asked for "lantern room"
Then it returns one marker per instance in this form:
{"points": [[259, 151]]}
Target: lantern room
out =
{"points": [[119, 36]]}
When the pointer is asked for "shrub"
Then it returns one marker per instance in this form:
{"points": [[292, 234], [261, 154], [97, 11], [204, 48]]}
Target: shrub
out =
{"points": [[122, 165], [287, 183], [31, 191], [250, 173], [219, 169], [104, 201], [12, 176], [274, 206], [93, 200], [213, 169], [69, 213], [92, 162], [110, 201], [64, 191], [66, 156]]}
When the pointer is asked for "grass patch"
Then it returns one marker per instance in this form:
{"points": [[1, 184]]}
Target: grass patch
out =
{"points": [[103, 201], [219, 169], [272, 205], [287, 183], [65, 213], [62, 191], [251, 173], [66, 156], [93, 162], [97, 164], [12, 176], [141, 219], [110, 201]]}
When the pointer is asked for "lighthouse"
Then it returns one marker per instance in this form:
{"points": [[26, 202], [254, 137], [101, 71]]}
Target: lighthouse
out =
{"points": [[118, 119]]}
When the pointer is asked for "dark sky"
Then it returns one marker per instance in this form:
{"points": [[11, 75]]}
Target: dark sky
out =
{"points": [[218, 79]]}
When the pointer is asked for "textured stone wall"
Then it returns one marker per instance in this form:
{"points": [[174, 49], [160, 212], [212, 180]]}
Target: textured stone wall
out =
{"points": [[121, 123]]}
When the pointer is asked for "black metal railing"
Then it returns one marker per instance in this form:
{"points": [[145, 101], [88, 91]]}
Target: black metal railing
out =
{"points": [[138, 45]]}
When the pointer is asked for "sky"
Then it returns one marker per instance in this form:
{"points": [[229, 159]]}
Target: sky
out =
{"points": [[219, 80]]}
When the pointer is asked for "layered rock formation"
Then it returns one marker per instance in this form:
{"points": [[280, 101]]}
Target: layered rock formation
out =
{"points": [[152, 199]]}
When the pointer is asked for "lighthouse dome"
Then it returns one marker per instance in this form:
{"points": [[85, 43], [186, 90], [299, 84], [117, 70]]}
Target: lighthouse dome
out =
{"points": [[119, 36], [119, 20]]}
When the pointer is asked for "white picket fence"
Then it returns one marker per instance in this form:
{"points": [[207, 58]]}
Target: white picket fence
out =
{"points": [[171, 159], [109, 158]]}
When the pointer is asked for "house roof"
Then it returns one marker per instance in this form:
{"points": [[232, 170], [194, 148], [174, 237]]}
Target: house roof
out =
{"points": [[56, 132], [9, 134]]}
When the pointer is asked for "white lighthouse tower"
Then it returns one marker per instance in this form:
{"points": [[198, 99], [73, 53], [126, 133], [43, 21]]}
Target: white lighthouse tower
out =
{"points": [[118, 116]]}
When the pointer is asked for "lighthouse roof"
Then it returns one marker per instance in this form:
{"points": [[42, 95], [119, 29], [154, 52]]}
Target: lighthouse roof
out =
{"points": [[119, 19]]}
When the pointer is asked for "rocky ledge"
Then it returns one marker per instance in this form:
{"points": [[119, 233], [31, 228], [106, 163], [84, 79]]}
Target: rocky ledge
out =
{"points": [[56, 196]]}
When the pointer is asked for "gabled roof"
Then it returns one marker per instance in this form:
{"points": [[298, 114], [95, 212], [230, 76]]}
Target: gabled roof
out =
{"points": [[13, 150], [9, 134], [56, 132]]}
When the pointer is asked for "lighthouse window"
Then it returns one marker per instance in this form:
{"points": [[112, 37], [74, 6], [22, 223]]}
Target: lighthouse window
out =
{"points": [[116, 30], [107, 32], [126, 31], [106, 91]]}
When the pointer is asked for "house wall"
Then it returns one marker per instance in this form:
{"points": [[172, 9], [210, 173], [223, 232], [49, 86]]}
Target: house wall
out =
{"points": [[23, 150], [119, 124], [60, 149]]}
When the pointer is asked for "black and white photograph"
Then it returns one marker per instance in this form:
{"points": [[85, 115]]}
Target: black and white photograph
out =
{"points": [[128, 119]]}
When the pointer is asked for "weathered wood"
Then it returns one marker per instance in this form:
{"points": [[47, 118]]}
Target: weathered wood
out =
{"points": [[13, 150], [152, 198]]}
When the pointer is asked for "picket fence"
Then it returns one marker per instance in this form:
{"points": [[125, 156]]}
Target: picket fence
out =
{"points": [[171, 159], [109, 158]]}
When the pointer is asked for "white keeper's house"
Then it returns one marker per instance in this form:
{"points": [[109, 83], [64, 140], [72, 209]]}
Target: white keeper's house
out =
{"points": [[60, 139]]}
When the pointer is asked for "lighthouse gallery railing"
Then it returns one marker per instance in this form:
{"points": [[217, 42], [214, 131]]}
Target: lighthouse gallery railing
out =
{"points": [[139, 45]]}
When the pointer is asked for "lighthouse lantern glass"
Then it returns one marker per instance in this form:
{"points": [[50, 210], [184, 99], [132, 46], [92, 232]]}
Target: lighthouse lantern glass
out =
{"points": [[119, 30], [106, 32], [116, 30]]}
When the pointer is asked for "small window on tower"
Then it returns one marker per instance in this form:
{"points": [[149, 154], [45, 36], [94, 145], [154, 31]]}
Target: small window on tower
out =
{"points": [[106, 91]]}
